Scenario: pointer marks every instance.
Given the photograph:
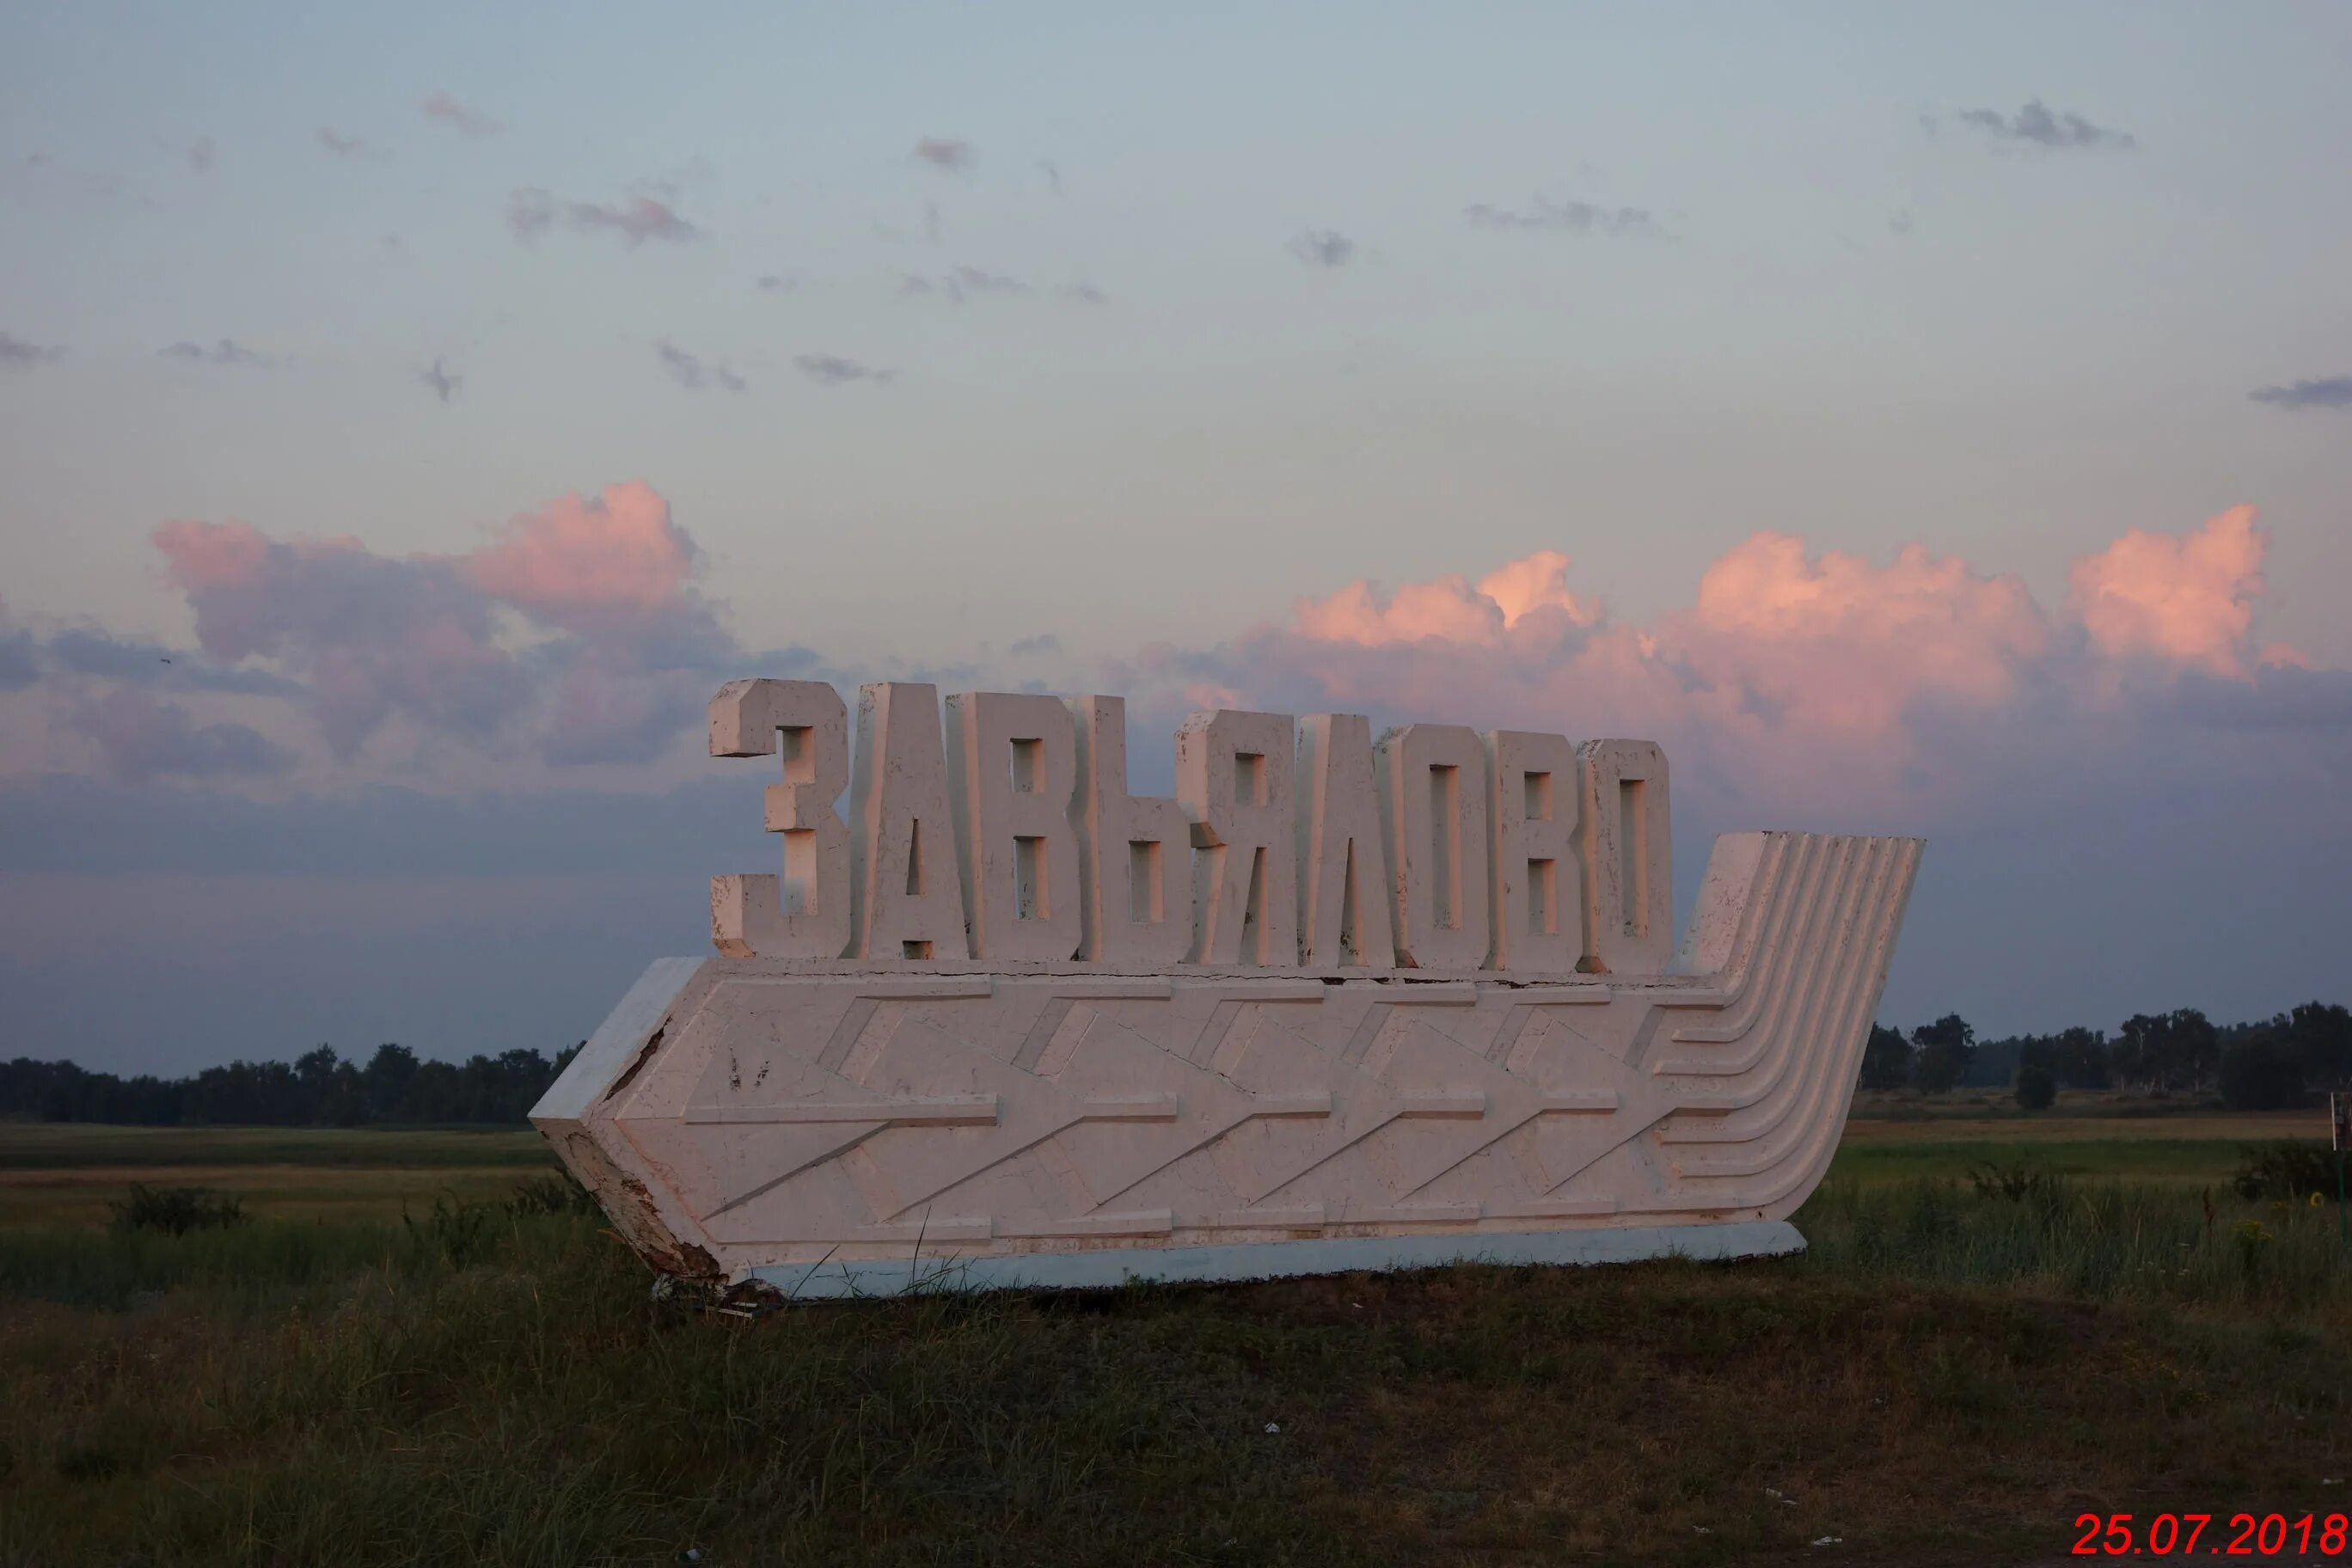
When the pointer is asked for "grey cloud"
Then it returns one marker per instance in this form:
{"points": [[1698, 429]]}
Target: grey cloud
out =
{"points": [[778, 282], [19, 666], [2037, 125], [143, 739], [1322, 248], [344, 147], [1546, 216], [962, 283], [832, 369], [2326, 391], [199, 153], [691, 374], [941, 152], [1044, 642], [1898, 224], [16, 354], [1053, 174], [444, 385], [531, 212], [88, 651], [1082, 294], [467, 122], [225, 351]]}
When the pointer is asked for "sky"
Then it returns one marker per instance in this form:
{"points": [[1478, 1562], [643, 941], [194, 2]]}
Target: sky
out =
{"points": [[1917, 421]]}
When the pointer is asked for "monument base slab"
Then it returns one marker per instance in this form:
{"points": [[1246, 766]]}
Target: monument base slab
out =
{"points": [[1108, 1269]]}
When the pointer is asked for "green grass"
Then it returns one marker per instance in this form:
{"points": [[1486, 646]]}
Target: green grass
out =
{"points": [[68, 1174], [1945, 1376], [69, 1146]]}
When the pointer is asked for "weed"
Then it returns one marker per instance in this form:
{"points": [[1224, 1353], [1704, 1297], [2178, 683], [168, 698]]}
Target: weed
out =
{"points": [[176, 1211]]}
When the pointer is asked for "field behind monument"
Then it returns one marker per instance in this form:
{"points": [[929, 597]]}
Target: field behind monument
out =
{"points": [[2002, 1322]]}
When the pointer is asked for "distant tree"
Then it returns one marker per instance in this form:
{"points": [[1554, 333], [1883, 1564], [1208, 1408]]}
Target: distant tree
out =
{"points": [[317, 1090], [2037, 1087], [2262, 1071], [1945, 1047], [2078, 1059], [2320, 1035], [2175, 1050], [1886, 1059]]}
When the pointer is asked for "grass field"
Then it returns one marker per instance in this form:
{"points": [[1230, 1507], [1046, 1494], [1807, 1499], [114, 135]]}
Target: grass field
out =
{"points": [[1945, 1377]]}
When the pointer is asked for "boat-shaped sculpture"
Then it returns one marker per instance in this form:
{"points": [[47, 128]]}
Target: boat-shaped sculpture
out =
{"points": [[833, 1107]]}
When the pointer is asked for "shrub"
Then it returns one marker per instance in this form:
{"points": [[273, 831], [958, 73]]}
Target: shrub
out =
{"points": [[559, 1193], [2037, 1088], [2285, 1169], [176, 1211], [2016, 1183]]}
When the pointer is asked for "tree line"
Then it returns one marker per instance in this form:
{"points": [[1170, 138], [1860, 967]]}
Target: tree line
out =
{"points": [[319, 1089], [2270, 1064]]}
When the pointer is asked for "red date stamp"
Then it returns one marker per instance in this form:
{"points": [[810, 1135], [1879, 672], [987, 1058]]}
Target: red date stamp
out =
{"points": [[2210, 1535]]}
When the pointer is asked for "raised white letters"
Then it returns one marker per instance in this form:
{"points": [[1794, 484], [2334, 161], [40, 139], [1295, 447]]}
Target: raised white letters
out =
{"points": [[902, 855], [1233, 775], [1343, 883], [1134, 850], [1629, 868], [807, 915], [1432, 782], [1287, 844], [1012, 768], [1532, 797]]}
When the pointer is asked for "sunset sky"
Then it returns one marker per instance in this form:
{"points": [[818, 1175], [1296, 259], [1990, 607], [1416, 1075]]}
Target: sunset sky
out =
{"points": [[1936, 422]]}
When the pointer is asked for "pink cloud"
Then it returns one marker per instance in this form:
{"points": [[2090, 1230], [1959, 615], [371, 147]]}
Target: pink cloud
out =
{"points": [[1445, 609], [581, 560], [377, 638], [1837, 643], [2188, 599]]}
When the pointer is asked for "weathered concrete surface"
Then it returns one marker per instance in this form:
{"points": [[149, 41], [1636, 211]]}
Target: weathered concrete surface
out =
{"points": [[758, 1117]]}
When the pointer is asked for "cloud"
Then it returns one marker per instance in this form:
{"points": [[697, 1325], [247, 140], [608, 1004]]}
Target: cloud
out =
{"points": [[531, 212], [1053, 173], [832, 369], [137, 661], [344, 147], [942, 153], [617, 646], [1795, 676], [1081, 294], [200, 154], [2036, 125], [442, 108], [444, 385], [142, 739], [2189, 600], [1543, 214], [1445, 609], [778, 282], [225, 351], [16, 354], [1898, 224], [1322, 248], [692, 374], [962, 283], [2326, 391]]}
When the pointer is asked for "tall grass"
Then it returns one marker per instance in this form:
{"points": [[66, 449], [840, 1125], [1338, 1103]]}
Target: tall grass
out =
{"points": [[496, 1384], [2105, 1241]]}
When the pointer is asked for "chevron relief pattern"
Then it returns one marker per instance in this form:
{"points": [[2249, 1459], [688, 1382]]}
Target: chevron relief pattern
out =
{"points": [[783, 1113]]}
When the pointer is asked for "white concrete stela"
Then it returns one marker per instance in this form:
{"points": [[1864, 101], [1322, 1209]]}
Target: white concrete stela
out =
{"points": [[1334, 1005]]}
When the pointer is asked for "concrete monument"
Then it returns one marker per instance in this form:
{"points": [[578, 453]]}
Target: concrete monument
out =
{"points": [[1337, 1004]]}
